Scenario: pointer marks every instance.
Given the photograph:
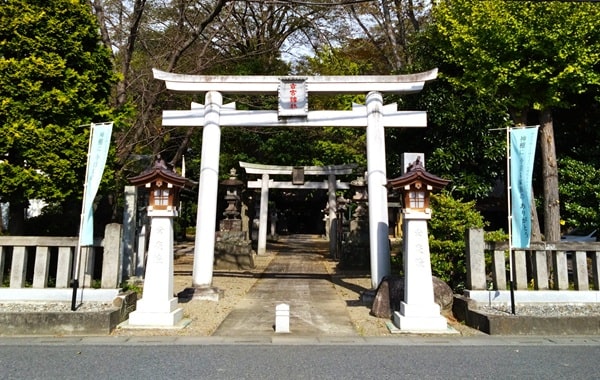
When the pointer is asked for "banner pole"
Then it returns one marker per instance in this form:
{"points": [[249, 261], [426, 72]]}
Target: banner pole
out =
{"points": [[77, 258], [509, 203]]}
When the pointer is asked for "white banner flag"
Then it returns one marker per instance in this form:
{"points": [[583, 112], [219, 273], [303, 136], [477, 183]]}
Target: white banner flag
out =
{"points": [[522, 154], [97, 154]]}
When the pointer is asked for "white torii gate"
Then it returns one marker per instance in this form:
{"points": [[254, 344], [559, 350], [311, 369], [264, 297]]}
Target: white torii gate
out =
{"points": [[264, 184], [374, 116]]}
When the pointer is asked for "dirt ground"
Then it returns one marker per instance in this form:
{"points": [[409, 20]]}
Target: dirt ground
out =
{"points": [[206, 316]]}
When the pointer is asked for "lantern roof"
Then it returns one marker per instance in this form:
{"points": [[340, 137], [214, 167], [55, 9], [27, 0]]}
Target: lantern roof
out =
{"points": [[232, 181], [160, 171], [416, 172]]}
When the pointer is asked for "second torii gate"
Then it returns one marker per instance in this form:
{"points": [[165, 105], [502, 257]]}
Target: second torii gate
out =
{"points": [[264, 184], [293, 112]]}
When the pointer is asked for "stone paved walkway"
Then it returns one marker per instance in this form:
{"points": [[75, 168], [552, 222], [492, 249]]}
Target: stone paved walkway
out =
{"points": [[297, 276]]}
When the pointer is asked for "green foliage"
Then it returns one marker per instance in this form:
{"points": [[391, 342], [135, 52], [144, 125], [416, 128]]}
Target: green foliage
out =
{"points": [[300, 146], [450, 220], [579, 193], [531, 56], [495, 57], [496, 236], [460, 141], [54, 77], [132, 286], [532, 53], [336, 62]]}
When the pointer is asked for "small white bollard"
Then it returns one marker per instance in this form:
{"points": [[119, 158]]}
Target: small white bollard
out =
{"points": [[282, 318]]}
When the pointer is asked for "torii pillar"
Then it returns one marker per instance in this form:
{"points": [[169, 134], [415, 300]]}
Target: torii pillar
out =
{"points": [[207, 204], [264, 215], [376, 183]]}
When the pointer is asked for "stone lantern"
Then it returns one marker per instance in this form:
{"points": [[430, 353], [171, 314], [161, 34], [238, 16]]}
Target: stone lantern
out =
{"points": [[418, 311], [359, 185], [232, 187], [232, 249], [356, 247], [158, 308]]}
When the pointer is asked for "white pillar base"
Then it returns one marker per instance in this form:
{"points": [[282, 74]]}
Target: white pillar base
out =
{"points": [[153, 314], [156, 306], [420, 318]]}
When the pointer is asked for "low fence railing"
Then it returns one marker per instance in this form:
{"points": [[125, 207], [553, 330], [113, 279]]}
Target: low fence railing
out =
{"points": [[544, 266], [38, 263]]}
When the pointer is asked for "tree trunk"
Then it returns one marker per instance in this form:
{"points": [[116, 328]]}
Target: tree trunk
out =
{"points": [[16, 218], [550, 177], [536, 233]]}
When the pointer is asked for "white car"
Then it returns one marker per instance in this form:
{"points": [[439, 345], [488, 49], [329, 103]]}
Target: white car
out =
{"points": [[581, 235]]}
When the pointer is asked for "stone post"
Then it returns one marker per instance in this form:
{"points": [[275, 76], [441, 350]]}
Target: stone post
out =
{"points": [[86, 266], [596, 269], [499, 274], [111, 259], [540, 270], [64, 267], [41, 267], [519, 270], [475, 259], [129, 226], [141, 252], [561, 270], [580, 271]]}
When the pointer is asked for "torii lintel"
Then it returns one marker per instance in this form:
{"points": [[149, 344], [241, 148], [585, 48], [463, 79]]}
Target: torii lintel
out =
{"points": [[252, 168], [256, 84]]}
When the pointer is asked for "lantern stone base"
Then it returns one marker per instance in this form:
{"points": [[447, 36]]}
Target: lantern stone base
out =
{"points": [[201, 293], [420, 318], [233, 251], [156, 314]]}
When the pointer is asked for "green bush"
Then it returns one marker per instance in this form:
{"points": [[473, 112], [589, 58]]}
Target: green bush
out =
{"points": [[450, 220], [579, 193]]}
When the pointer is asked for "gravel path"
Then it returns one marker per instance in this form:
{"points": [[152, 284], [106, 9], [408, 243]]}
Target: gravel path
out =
{"points": [[547, 310]]}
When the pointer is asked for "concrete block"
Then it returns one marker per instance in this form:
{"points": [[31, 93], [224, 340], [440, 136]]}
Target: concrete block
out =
{"points": [[466, 310]]}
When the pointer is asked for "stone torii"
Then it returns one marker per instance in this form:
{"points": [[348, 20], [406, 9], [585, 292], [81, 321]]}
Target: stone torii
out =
{"points": [[264, 184], [293, 112]]}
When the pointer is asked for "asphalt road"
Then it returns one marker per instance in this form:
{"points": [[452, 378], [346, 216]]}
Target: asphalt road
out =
{"points": [[398, 358]]}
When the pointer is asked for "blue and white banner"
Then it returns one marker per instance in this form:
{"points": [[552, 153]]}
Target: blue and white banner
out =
{"points": [[98, 151], [522, 154]]}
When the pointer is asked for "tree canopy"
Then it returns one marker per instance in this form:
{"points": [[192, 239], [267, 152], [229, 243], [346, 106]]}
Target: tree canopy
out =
{"points": [[523, 59], [55, 78], [530, 55]]}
